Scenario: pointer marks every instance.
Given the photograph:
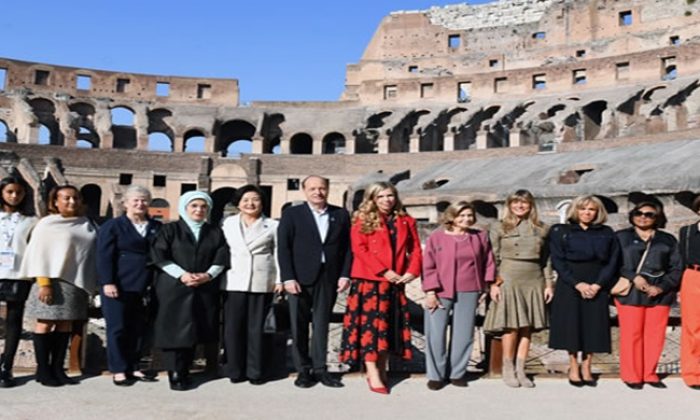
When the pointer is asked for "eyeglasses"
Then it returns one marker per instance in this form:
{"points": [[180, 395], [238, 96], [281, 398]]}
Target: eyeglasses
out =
{"points": [[647, 214]]}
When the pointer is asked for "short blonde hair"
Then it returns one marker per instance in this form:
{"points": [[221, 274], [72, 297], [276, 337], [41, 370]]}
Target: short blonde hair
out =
{"points": [[582, 201], [451, 213]]}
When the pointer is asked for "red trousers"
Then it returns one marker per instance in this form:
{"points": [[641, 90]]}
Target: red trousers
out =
{"points": [[642, 336], [690, 327]]}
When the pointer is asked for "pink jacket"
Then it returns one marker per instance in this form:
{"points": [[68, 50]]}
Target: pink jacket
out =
{"points": [[442, 275]]}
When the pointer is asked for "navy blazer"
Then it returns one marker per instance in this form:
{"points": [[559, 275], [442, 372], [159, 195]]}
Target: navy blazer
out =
{"points": [[299, 247], [122, 254]]}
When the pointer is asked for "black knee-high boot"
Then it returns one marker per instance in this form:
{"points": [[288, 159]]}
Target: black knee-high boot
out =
{"points": [[42, 353], [58, 356], [13, 330]]}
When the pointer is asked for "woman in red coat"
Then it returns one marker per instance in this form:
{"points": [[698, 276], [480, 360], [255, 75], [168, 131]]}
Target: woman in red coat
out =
{"points": [[386, 255]]}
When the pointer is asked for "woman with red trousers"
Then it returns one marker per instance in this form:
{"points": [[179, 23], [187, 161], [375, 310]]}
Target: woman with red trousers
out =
{"points": [[652, 262], [386, 255]]}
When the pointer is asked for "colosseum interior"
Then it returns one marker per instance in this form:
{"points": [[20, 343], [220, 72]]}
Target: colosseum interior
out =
{"points": [[561, 97]]}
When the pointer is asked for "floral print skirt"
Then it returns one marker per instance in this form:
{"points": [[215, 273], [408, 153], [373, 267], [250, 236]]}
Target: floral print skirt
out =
{"points": [[376, 321]]}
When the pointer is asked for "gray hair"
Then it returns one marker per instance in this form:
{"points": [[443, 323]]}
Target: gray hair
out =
{"points": [[134, 190]]}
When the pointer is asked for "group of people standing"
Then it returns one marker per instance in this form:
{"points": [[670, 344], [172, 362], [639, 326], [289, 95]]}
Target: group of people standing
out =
{"points": [[188, 268]]}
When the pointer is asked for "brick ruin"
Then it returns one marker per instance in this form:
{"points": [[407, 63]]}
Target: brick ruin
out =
{"points": [[453, 102]]}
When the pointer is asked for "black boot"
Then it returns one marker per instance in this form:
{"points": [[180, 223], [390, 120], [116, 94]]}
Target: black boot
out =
{"points": [[179, 381], [58, 356], [6, 378], [42, 352]]}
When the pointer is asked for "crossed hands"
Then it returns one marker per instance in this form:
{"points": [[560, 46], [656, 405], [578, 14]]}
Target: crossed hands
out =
{"points": [[643, 286], [395, 278], [195, 279], [588, 291]]}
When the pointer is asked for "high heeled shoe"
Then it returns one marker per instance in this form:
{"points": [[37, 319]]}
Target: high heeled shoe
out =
{"points": [[379, 390]]}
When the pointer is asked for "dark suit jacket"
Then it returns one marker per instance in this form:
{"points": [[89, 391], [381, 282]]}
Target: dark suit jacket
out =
{"points": [[300, 247], [122, 254]]}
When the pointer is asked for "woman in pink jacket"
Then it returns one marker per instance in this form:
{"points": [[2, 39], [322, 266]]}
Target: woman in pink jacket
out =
{"points": [[457, 264]]}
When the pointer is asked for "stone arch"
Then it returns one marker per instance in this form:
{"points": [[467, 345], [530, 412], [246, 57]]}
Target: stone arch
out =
{"points": [[357, 198], [45, 135], [562, 208], [333, 144], [272, 133], [221, 198], [86, 133], [194, 141], [685, 198], [123, 129], [646, 96], [159, 209], [636, 197], [159, 141], [610, 205], [485, 209], [122, 115], [593, 118], [232, 131], [45, 112], [87, 138], [92, 199], [301, 144]]}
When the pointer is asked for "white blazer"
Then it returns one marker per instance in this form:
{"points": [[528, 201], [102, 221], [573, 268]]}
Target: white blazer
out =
{"points": [[253, 256]]}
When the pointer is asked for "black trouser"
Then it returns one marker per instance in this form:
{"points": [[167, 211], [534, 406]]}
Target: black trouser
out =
{"points": [[244, 340], [314, 304], [126, 322], [178, 359]]}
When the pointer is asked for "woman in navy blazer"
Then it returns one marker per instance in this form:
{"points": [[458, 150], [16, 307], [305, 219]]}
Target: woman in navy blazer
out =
{"points": [[123, 244]]}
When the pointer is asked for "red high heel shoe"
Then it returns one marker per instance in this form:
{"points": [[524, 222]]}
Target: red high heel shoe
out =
{"points": [[379, 390]]}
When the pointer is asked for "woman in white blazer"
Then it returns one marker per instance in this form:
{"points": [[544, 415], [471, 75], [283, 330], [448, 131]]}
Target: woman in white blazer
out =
{"points": [[249, 285]]}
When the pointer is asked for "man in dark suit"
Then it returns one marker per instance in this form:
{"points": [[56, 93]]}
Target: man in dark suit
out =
{"points": [[314, 259]]}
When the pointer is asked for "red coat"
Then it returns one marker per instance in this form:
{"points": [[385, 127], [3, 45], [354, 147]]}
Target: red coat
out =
{"points": [[371, 252]]}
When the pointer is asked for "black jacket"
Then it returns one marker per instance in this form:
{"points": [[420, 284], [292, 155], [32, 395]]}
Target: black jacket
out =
{"points": [[300, 247], [188, 315], [662, 267]]}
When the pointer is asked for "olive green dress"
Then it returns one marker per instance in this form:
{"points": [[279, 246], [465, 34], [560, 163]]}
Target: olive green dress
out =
{"points": [[522, 261]]}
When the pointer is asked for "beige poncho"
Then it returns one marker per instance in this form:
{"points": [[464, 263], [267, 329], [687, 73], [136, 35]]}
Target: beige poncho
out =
{"points": [[63, 248]]}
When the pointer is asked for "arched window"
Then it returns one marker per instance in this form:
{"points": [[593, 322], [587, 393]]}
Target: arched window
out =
{"points": [[194, 141], [159, 142], [122, 116], [238, 147], [301, 144], [333, 143]]}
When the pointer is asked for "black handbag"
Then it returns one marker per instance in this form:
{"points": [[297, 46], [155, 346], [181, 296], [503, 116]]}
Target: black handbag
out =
{"points": [[277, 317]]}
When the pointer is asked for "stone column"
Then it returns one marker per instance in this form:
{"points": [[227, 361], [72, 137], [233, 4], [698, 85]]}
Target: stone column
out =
{"points": [[209, 142], [383, 145], [349, 144], [317, 147], [285, 146], [414, 144], [258, 142], [671, 118], [179, 143], [448, 142], [514, 137], [481, 136]]}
